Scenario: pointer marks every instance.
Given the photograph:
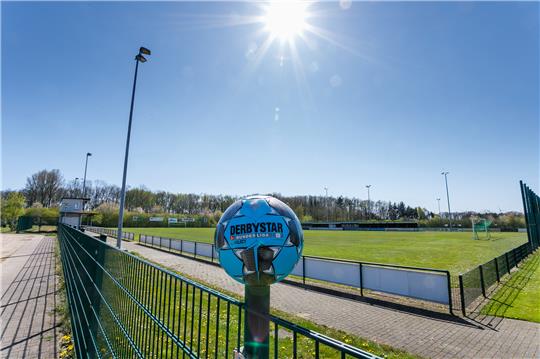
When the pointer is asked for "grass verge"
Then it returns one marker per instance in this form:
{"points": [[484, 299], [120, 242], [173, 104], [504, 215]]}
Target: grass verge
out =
{"points": [[67, 349]]}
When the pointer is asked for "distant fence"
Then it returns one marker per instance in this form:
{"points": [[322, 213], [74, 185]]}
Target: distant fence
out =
{"points": [[27, 222], [480, 281], [126, 236], [427, 284], [123, 306]]}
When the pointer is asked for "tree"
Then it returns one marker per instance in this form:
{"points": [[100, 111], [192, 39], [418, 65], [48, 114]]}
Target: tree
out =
{"points": [[12, 208], [45, 187]]}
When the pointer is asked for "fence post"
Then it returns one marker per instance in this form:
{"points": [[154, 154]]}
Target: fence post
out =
{"points": [[497, 269], [515, 258], [462, 295], [361, 280], [303, 269], [182, 246], [195, 251], [170, 241], [449, 291], [212, 250], [525, 211], [482, 280], [160, 238], [507, 263]]}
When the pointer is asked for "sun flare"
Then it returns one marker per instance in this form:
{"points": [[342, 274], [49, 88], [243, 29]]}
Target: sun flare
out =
{"points": [[285, 19]]}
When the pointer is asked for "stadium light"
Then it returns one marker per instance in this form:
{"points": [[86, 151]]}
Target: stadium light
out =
{"points": [[445, 174], [368, 186], [138, 58], [88, 154], [326, 200]]}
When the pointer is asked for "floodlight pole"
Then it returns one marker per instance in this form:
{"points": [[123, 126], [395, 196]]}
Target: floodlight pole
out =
{"points": [[445, 174], [88, 154], [368, 200], [138, 58], [257, 321], [327, 209]]}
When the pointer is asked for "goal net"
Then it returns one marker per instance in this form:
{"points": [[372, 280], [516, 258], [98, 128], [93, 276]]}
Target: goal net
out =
{"points": [[480, 228]]}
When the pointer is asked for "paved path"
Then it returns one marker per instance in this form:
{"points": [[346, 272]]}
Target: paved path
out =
{"points": [[442, 336], [29, 326]]}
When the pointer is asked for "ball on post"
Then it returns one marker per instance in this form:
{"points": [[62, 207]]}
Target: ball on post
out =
{"points": [[259, 240]]}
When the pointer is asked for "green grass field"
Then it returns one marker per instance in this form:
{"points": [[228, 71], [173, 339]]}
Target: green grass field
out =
{"points": [[455, 251], [519, 296]]}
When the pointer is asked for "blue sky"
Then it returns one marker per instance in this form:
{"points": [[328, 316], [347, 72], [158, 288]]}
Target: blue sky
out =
{"points": [[394, 94]]}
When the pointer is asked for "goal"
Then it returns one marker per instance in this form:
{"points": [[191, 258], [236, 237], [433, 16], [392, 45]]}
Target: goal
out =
{"points": [[480, 228]]}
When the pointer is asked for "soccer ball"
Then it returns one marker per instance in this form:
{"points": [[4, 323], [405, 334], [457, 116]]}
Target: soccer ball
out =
{"points": [[259, 240]]}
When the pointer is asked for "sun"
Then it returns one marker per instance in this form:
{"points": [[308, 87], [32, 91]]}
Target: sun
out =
{"points": [[285, 19]]}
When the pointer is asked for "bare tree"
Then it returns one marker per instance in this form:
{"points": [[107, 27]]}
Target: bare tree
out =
{"points": [[45, 187]]}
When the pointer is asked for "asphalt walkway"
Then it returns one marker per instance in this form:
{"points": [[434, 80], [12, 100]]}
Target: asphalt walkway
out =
{"points": [[435, 336], [29, 327]]}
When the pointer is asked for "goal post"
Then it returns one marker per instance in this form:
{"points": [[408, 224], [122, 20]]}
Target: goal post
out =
{"points": [[480, 228]]}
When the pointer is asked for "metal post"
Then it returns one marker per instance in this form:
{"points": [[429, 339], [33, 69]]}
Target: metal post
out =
{"points": [[525, 212], [361, 280], [327, 209], [88, 154], [462, 292], [449, 291], [497, 270], [368, 202], [482, 281], [123, 193], [448, 198], [303, 270], [257, 321]]}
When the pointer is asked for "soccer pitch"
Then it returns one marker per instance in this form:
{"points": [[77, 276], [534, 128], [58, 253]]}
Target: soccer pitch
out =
{"points": [[454, 251]]}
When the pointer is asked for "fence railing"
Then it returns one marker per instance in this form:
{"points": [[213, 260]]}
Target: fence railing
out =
{"points": [[480, 281], [432, 285], [126, 236], [123, 306]]}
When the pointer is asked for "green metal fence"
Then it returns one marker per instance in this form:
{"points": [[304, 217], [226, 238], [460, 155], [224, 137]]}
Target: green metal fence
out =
{"points": [[479, 281], [123, 306], [531, 207]]}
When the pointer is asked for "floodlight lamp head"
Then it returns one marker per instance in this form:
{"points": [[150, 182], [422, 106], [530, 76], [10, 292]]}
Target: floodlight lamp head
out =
{"points": [[140, 58], [88, 154], [144, 51]]}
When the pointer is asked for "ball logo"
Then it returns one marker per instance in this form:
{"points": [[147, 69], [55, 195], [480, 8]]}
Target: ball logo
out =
{"points": [[259, 240]]}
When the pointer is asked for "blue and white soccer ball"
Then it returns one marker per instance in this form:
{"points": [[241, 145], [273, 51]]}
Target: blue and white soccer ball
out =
{"points": [[259, 240]]}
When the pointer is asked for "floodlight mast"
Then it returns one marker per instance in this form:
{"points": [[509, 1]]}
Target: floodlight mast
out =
{"points": [[368, 186], [445, 174], [88, 154], [138, 58]]}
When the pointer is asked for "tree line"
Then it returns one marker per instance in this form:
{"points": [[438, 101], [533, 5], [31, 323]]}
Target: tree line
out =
{"points": [[47, 187]]}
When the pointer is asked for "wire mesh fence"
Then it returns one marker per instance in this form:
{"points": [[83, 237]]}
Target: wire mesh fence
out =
{"points": [[123, 306]]}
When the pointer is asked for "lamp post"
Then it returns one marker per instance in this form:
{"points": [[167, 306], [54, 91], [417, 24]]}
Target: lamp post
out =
{"points": [[88, 154], [368, 200], [445, 174], [138, 58], [326, 200]]}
